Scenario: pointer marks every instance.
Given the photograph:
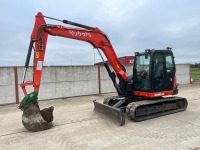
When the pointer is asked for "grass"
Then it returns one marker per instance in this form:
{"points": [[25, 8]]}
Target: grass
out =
{"points": [[195, 74]]}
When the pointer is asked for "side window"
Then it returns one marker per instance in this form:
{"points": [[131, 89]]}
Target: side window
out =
{"points": [[143, 63], [169, 63]]}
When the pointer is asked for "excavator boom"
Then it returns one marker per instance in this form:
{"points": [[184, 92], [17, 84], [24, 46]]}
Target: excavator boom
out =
{"points": [[38, 42], [39, 36]]}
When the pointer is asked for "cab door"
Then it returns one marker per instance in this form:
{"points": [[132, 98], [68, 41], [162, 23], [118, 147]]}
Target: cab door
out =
{"points": [[169, 71], [163, 71], [158, 71]]}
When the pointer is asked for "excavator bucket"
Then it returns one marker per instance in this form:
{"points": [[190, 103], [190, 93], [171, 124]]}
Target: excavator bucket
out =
{"points": [[114, 114], [33, 118]]}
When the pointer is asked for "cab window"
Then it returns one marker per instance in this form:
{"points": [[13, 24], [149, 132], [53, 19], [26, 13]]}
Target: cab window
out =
{"points": [[169, 63]]}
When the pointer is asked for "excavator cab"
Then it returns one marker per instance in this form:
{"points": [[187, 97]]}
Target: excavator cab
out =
{"points": [[154, 71]]}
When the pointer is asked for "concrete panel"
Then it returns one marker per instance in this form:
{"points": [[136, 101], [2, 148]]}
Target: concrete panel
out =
{"points": [[7, 85], [67, 89], [106, 83], [68, 81], [129, 69], [29, 77], [69, 73], [183, 73], [64, 81], [107, 86]]}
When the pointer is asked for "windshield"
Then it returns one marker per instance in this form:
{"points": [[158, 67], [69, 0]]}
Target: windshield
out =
{"points": [[142, 63], [141, 72]]}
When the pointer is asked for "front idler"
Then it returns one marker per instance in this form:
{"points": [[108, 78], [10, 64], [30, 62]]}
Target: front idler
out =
{"points": [[33, 118]]}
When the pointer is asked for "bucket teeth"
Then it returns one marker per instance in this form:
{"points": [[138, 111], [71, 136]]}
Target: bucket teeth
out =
{"points": [[35, 119], [114, 114]]}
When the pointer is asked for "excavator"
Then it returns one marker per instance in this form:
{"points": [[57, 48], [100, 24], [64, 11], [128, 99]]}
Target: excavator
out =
{"points": [[147, 93]]}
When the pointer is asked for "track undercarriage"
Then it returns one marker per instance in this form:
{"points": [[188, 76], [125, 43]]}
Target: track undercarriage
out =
{"points": [[139, 109]]}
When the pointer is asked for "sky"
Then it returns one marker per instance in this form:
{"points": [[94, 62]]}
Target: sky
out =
{"points": [[132, 26]]}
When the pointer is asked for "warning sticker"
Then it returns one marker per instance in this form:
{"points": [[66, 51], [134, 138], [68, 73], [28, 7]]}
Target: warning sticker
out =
{"points": [[39, 65], [37, 54]]}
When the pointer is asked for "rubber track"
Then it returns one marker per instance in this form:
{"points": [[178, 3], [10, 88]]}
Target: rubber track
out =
{"points": [[152, 104]]}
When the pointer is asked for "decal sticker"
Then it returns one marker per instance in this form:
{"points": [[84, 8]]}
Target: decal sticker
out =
{"points": [[159, 94], [80, 33], [37, 54], [39, 65]]}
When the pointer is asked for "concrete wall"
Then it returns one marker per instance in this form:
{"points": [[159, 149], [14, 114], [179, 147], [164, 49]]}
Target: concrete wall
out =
{"points": [[106, 83], [7, 85], [64, 81], [67, 81], [183, 73]]}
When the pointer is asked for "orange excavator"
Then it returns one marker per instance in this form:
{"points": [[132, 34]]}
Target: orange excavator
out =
{"points": [[145, 94]]}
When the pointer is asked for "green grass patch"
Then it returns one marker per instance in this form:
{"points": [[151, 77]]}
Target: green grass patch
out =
{"points": [[195, 73]]}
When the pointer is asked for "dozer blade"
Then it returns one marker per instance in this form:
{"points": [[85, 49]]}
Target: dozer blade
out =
{"points": [[114, 114], [148, 109], [33, 118]]}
